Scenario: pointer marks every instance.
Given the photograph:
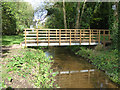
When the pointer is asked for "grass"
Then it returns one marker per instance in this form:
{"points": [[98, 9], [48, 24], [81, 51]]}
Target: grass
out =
{"points": [[13, 39], [30, 63]]}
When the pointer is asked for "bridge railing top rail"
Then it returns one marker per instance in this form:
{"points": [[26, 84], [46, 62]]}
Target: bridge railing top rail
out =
{"points": [[67, 29]]}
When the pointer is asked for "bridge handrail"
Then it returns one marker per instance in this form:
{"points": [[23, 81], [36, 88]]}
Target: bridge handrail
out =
{"points": [[72, 33]]}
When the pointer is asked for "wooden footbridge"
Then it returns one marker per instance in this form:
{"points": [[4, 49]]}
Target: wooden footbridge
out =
{"points": [[65, 37]]}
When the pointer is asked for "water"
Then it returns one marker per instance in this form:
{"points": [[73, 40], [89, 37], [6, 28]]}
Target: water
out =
{"points": [[76, 72]]}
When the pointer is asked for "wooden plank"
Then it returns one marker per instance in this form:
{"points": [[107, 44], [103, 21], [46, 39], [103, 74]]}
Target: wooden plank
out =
{"points": [[59, 37], [80, 37], [70, 37], [48, 37], [25, 38], [83, 33], [98, 35], [53, 32], [67, 29], [92, 35], [90, 38], [74, 33], [104, 38], [99, 38], [30, 34], [56, 34], [37, 37], [56, 44], [66, 34], [46, 34], [64, 40]]}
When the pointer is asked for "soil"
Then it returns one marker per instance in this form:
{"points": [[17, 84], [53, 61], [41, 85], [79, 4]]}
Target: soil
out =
{"points": [[16, 81]]}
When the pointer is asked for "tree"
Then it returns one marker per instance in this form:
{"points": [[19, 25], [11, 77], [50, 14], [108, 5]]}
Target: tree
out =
{"points": [[64, 13], [113, 24], [15, 17], [78, 15]]}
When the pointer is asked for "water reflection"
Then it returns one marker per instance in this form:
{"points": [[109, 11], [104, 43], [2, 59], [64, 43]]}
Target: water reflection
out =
{"points": [[75, 72], [68, 72]]}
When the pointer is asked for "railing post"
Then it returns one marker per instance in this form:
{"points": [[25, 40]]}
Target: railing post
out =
{"points": [[109, 34], [75, 35], [48, 37], [46, 34], [70, 37], [56, 34], [66, 34], [37, 36], [99, 38], [25, 38], [80, 37], [90, 37], [59, 36], [104, 38]]}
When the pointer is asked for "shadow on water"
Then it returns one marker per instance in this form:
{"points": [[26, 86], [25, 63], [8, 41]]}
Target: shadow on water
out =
{"points": [[76, 72]]}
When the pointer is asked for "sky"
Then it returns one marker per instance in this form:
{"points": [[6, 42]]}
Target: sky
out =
{"points": [[35, 3], [38, 15]]}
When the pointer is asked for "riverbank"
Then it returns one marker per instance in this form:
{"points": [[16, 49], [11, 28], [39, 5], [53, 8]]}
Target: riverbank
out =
{"points": [[103, 59], [27, 68]]}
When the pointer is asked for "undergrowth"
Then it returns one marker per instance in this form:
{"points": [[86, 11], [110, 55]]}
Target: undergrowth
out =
{"points": [[32, 63], [106, 60]]}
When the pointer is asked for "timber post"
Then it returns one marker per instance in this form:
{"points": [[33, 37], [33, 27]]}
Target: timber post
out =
{"points": [[59, 37], [99, 38], [89, 37], [70, 37], [25, 39]]}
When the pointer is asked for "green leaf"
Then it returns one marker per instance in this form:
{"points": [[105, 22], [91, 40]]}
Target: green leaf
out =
{"points": [[9, 79]]}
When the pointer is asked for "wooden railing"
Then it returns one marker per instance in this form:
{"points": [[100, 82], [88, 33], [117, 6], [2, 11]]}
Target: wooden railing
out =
{"points": [[35, 37]]}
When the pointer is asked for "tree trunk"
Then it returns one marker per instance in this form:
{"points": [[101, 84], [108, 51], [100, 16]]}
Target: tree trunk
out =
{"points": [[65, 24], [78, 16], [82, 10]]}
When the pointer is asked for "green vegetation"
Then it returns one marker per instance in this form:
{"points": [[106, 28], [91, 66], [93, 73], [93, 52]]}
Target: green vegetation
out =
{"points": [[93, 15], [30, 63], [106, 60], [84, 15], [15, 17], [13, 39], [96, 15]]}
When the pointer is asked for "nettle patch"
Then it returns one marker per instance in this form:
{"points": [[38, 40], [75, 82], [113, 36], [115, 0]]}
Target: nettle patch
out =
{"points": [[33, 63]]}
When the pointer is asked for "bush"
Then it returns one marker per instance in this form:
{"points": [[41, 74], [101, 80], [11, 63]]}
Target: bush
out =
{"points": [[99, 47], [103, 60]]}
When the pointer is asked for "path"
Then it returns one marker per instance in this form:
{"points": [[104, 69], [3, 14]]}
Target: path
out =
{"points": [[17, 81]]}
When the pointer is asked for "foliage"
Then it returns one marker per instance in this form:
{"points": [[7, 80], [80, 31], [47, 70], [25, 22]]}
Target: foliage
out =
{"points": [[113, 24], [99, 47], [95, 15], [103, 60], [33, 63], [15, 17], [13, 39], [106, 60]]}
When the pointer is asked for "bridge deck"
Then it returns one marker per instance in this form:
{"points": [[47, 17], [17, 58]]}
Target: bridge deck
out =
{"points": [[57, 44]]}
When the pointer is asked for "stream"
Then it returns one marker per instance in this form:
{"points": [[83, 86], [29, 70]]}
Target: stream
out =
{"points": [[76, 72]]}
